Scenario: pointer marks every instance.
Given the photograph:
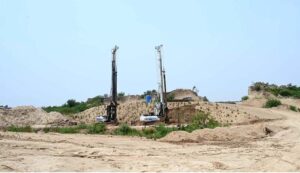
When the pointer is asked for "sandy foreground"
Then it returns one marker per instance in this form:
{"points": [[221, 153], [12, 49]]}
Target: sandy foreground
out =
{"points": [[59, 152]]}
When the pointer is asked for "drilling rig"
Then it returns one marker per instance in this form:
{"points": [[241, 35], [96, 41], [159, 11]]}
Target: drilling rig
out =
{"points": [[111, 109], [161, 109]]}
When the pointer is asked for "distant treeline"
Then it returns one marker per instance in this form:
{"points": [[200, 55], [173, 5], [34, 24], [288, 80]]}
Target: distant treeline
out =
{"points": [[72, 106]]}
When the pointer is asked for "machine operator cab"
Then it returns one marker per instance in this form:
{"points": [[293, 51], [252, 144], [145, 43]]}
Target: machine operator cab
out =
{"points": [[152, 116], [147, 118], [110, 114]]}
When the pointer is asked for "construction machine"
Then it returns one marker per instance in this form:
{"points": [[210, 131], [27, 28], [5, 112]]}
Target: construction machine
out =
{"points": [[161, 108], [111, 108]]}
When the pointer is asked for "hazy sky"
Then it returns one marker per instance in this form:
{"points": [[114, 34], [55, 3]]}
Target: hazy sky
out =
{"points": [[54, 50]]}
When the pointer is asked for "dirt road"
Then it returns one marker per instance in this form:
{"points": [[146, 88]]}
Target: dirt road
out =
{"points": [[79, 152]]}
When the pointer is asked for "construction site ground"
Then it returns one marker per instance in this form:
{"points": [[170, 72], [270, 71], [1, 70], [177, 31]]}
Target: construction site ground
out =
{"points": [[265, 140]]}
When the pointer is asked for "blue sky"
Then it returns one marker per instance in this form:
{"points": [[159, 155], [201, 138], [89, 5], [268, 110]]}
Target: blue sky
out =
{"points": [[54, 50]]}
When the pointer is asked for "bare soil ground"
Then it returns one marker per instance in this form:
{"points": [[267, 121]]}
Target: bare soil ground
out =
{"points": [[253, 148]]}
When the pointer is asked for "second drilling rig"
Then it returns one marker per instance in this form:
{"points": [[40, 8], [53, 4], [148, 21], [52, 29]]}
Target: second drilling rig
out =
{"points": [[161, 107], [111, 109]]}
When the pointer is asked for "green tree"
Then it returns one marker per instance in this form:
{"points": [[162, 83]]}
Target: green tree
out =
{"points": [[72, 103]]}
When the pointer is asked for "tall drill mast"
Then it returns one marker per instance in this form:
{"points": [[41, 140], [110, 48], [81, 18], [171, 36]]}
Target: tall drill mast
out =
{"points": [[112, 108], [162, 86]]}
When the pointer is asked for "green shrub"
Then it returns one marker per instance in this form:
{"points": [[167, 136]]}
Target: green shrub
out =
{"points": [[161, 131], [148, 132], [285, 93], [19, 129], [245, 98], [82, 126], [97, 128], [121, 94], [95, 101], [200, 121], [126, 130], [205, 99], [157, 132], [293, 108], [46, 129], [258, 86], [272, 103], [72, 103], [170, 97]]}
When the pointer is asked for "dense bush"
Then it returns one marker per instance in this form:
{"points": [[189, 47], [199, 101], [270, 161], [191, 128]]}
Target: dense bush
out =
{"points": [[285, 93], [245, 98], [272, 103], [72, 103]]}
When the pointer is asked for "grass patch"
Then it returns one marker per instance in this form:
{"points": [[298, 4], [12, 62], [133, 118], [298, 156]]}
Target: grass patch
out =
{"points": [[272, 103], [68, 130], [19, 129], [126, 130], [158, 131], [97, 128], [293, 108], [200, 121]]}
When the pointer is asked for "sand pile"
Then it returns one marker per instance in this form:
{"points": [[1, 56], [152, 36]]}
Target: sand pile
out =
{"points": [[29, 115], [129, 112], [180, 94], [220, 134]]}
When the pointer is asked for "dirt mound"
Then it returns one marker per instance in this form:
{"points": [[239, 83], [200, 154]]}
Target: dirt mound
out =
{"points": [[29, 115], [183, 112], [181, 94], [220, 134]]}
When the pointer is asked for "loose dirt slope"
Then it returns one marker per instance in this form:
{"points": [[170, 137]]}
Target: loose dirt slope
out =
{"points": [[183, 111], [277, 150], [29, 115]]}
